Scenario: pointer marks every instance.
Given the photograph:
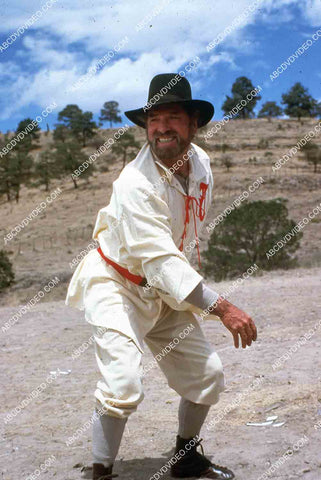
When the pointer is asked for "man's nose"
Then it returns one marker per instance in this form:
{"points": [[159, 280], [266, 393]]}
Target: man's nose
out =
{"points": [[163, 126]]}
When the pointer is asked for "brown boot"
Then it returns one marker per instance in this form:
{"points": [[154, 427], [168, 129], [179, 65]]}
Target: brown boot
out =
{"points": [[103, 473]]}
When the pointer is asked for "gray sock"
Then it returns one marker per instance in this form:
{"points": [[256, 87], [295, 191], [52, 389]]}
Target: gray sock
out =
{"points": [[191, 417], [107, 435]]}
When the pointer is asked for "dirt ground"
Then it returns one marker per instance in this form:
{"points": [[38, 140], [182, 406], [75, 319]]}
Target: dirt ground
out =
{"points": [[285, 305]]}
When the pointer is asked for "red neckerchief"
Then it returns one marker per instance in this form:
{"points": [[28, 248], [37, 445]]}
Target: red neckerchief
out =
{"points": [[200, 213]]}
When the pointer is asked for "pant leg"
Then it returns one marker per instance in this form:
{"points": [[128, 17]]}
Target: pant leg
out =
{"points": [[192, 367], [119, 390]]}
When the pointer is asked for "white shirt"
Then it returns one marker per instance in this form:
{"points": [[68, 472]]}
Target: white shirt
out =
{"points": [[141, 229]]}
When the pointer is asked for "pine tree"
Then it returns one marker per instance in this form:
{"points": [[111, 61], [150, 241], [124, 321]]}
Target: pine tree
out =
{"points": [[125, 145], [110, 113], [240, 89], [299, 103]]}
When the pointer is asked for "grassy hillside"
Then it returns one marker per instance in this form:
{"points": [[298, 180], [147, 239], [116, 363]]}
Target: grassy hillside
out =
{"points": [[44, 248]]}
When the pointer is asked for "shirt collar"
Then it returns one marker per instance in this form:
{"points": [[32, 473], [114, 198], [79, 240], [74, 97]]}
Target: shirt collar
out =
{"points": [[197, 170]]}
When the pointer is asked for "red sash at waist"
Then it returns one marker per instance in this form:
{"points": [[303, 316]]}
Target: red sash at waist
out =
{"points": [[137, 279]]}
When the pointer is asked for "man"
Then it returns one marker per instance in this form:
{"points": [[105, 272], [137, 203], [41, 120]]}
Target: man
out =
{"points": [[139, 286]]}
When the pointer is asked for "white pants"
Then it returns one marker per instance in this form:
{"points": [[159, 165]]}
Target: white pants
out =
{"points": [[177, 342]]}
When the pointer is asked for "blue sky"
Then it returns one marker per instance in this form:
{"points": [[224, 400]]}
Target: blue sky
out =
{"points": [[46, 59]]}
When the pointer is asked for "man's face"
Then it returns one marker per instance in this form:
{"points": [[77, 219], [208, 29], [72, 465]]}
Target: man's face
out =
{"points": [[169, 130]]}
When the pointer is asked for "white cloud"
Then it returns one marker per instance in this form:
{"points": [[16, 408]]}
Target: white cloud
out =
{"points": [[72, 36], [109, 83], [312, 12], [44, 52], [9, 70], [222, 57]]}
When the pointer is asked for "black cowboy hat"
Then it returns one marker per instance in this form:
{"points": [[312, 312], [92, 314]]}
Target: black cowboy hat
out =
{"points": [[171, 88]]}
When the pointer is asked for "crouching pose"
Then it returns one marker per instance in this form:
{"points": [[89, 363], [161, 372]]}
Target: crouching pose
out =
{"points": [[138, 287]]}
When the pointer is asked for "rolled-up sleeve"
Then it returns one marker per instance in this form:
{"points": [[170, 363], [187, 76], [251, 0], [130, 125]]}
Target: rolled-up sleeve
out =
{"points": [[146, 234], [202, 296]]}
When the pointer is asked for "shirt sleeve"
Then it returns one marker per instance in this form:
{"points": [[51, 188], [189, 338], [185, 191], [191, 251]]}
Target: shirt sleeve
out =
{"points": [[146, 234], [202, 296]]}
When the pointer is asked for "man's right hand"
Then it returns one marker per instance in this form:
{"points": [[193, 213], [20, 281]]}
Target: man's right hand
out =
{"points": [[236, 321]]}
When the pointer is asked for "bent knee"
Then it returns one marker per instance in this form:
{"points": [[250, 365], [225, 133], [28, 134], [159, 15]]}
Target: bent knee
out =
{"points": [[128, 388], [215, 372], [131, 389]]}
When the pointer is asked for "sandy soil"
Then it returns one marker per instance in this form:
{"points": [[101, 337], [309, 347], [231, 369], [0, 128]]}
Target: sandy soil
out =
{"points": [[285, 306]]}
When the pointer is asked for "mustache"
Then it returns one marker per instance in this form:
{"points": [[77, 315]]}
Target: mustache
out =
{"points": [[168, 133]]}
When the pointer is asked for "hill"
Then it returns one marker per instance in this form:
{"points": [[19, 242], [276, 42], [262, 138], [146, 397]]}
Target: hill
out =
{"points": [[50, 241]]}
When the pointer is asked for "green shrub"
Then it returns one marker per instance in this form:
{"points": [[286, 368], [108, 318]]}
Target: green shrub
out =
{"points": [[226, 161], [245, 236], [6, 272], [252, 160], [263, 143]]}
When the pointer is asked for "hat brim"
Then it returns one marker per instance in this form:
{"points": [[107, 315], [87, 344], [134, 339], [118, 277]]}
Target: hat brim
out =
{"points": [[206, 111]]}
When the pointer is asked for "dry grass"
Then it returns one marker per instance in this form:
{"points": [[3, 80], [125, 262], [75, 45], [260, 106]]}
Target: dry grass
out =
{"points": [[64, 228]]}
